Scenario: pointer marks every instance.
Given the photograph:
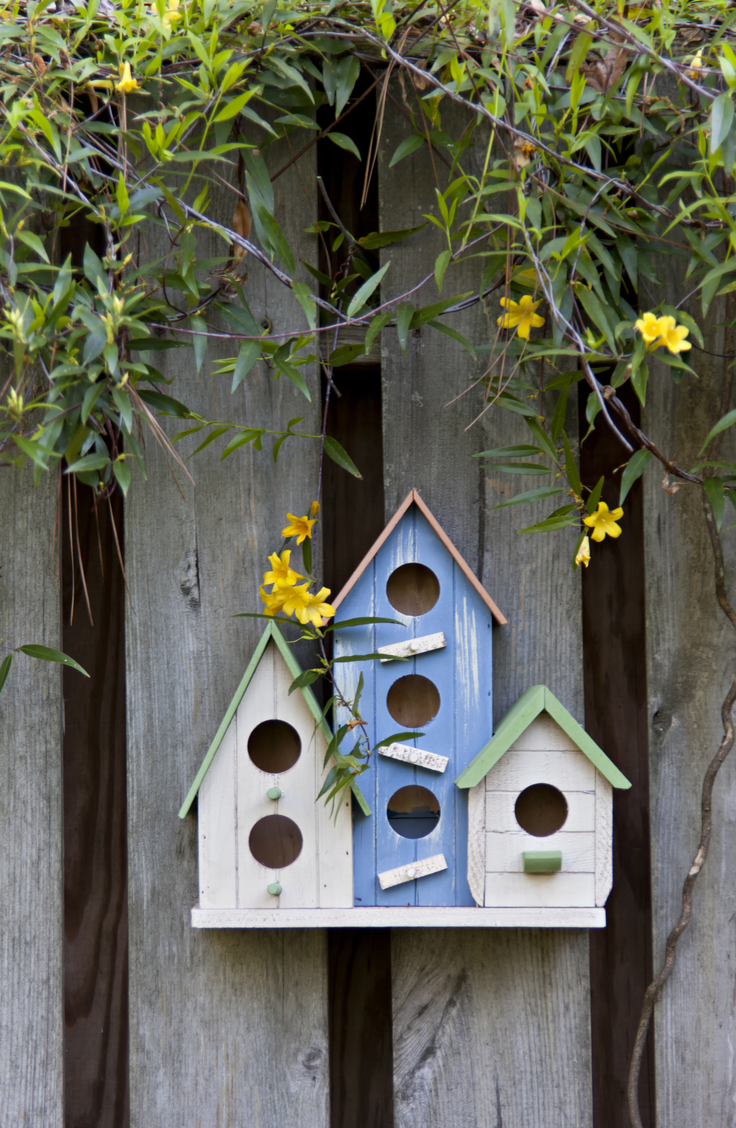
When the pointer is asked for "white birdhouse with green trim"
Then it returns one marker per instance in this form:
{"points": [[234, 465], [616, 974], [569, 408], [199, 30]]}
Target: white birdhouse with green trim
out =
{"points": [[540, 796], [264, 843]]}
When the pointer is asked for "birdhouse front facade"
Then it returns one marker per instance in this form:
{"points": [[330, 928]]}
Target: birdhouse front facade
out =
{"points": [[436, 679], [264, 842], [540, 811]]}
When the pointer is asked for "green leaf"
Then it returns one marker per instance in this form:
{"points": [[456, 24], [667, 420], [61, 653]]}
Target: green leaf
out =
{"points": [[551, 525], [47, 654], [248, 354], [721, 120], [346, 73], [520, 468], [722, 425], [363, 622], [5, 670], [345, 354], [345, 142], [124, 406], [365, 657], [716, 496], [199, 340], [304, 679], [378, 239], [165, 404], [365, 291], [509, 451], [595, 496], [404, 314], [275, 235], [529, 496], [303, 295], [542, 438], [334, 451], [88, 463], [397, 736], [441, 264], [34, 243], [122, 474], [558, 418], [634, 469], [407, 146], [571, 469]]}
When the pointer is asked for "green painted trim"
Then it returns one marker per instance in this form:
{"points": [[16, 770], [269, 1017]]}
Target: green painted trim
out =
{"points": [[274, 793], [585, 743], [271, 632], [274, 888], [225, 723], [517, 720], [542, 861]]}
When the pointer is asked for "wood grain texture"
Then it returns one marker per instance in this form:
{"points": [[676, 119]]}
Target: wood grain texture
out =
{"points": [[31, 889], [472, 1013], [476, 841], [226, 1027], [603, 839], [95, 846], [691, 657]]}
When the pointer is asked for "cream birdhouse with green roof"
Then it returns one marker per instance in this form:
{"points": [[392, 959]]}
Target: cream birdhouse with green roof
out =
{"points": [[540, 798]]}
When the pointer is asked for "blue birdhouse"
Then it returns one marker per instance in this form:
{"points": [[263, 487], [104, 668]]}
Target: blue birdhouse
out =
{"points": [[435, 679]]}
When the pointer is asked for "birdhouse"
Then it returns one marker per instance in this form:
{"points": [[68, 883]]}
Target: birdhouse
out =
{"points": [[265, 844], [434, 677], [540, 797]]}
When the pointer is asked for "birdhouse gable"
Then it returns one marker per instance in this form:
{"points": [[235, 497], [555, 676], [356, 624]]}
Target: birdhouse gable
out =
{"points": [[537, 700], [265, 843]]}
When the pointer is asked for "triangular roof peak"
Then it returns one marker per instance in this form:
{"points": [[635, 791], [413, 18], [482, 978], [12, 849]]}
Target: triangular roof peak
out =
{"points": [[271, 632], [537, 700], [413, 498]]}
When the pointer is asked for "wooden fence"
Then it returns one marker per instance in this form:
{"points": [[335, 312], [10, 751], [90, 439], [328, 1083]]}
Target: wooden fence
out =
{"points": [[481, 1029]]}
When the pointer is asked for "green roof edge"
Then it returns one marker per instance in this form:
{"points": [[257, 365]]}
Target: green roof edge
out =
{"points": [[271, 632], [536, 700]]}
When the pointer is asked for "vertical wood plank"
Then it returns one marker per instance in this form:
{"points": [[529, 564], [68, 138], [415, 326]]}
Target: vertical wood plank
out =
{"points": [[225, 1027], [691, 656], [472, 1010], [31, 1015]]}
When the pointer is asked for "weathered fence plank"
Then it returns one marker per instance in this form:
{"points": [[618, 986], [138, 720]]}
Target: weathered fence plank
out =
{"points": [[31, 998], [494, 1024], [691, 659], [226, 1027]]}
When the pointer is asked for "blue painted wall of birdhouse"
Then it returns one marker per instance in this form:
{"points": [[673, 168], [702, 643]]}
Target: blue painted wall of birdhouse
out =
{"points": [[462, 673]]}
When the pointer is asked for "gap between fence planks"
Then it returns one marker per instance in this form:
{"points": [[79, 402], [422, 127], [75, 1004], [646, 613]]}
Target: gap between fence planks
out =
{"points": [[31, 1000], [473, 1009]]}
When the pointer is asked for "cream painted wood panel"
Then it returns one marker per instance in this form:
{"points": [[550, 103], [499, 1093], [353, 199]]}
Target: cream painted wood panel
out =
{"points": [[547, 889], [603, 839], [415, 756], [504, 851], [500, 812], [544, 734], [421, 868], [403, 918], [218, 828], [413, 647], [476, 841], [567, 771]]}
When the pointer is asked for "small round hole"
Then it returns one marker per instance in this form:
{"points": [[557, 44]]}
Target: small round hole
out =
{"points": [[541, 810], [413, 701], [274, 746], [413, 812], [275, 841], [413, 589]]}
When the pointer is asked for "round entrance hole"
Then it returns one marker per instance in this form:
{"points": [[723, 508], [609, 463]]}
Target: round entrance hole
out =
{"points": [[274, 746], [413, 701], [413, 812], [541, 810], [275, 841], [413, 589]]}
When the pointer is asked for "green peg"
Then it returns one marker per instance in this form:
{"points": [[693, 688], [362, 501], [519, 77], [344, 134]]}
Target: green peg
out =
{"points": [[274, 793], [274, 889]]}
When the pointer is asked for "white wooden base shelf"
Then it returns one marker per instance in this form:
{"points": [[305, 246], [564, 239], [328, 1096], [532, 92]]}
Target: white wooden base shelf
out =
{"points": [[410, 917]]}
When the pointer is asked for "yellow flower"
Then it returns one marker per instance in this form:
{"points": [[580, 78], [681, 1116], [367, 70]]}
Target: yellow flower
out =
{"points": [[603, 522], [648, 326], [673, 335], [315, 609], [127, 83], [696, 64], [172, 14], [299, 527], [281, 575], [520, 316], [314, 508], [583, 556], [274, 600]]}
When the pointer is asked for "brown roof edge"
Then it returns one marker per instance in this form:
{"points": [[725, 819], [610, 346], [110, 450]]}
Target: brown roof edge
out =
{"points": [[413, 496]]}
